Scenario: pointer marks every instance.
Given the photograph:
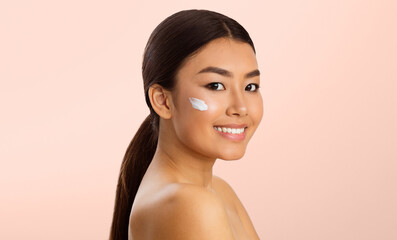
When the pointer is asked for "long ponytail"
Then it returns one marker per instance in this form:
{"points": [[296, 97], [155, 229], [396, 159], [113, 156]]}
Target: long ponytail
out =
{"points": [[137, 158], [175, 39]]}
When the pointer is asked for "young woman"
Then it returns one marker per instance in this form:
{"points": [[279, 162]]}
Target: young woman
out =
{"points": [[201, 82]]}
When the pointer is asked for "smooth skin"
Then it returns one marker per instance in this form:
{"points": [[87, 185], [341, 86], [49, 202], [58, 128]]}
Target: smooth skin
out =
{"points": [[179, 197]]}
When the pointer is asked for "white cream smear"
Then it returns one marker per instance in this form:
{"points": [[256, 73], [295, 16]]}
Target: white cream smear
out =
{"points": [[198, 104]]}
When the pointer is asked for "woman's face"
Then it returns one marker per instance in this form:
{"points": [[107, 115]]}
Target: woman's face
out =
{"points": [[222, 95]]}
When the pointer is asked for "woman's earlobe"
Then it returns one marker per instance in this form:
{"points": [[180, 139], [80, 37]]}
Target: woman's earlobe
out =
{"points": [[160, 102]]}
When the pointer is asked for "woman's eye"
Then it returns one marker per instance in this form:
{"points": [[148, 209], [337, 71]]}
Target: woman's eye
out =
{"points": [[249, 87], [215, 86]]}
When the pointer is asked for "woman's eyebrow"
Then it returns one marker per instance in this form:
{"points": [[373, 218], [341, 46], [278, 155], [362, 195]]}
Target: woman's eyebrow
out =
{"points": [[226, 73]]}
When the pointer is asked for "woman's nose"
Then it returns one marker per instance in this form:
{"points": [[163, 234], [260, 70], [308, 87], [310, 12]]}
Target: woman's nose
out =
{"points": [[237, 105]]}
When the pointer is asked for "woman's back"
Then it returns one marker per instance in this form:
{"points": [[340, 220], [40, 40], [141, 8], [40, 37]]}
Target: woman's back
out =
{"points": [[171, 210]]}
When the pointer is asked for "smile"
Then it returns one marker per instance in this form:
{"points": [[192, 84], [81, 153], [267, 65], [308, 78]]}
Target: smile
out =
{"points": [[234, 134], [230, 130]]}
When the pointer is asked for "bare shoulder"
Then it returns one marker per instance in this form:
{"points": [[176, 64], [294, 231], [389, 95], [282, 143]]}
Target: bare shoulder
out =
{"points": [[185, 211], [222, 185], [227, 191]]}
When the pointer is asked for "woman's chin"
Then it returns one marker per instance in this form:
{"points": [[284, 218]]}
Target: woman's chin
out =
{"points": [[232, 156]]}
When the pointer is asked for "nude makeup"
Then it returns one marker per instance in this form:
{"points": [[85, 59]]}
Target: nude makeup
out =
{"points": [[198, 104]]}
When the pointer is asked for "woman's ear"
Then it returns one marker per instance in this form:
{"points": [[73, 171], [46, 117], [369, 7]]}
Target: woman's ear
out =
{"points": [[160, 100]]}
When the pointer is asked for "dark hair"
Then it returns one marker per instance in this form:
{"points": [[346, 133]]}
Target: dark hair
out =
{"points": [[174, 40]]}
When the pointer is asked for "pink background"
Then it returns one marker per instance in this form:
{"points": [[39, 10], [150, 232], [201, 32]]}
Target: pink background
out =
{"points": [[322, 164]]}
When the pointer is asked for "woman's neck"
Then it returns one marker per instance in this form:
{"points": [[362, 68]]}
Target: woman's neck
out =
{"points": [[183, 165]]}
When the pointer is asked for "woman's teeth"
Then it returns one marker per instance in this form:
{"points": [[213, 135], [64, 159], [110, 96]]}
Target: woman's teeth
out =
{"points": [[230, 130]]}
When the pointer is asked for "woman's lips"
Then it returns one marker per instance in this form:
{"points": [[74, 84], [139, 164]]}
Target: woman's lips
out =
{"points": [[233, 136], [233, 125]]}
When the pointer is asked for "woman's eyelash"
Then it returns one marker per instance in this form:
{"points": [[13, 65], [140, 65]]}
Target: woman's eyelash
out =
{"points": [[214, 86], [256, 87]]}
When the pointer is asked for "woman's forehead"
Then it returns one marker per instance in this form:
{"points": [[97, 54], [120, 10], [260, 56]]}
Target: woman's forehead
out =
{"points": [[227, 54]]}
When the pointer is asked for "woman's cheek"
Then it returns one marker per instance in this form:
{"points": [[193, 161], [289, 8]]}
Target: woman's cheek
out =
{"points": [[198, 104], [204, 107]]}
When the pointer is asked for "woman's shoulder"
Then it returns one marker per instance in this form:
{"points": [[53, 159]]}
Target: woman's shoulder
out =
{"points": [[222, 186], [183, 211], [179, 195], [227, 192]]}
